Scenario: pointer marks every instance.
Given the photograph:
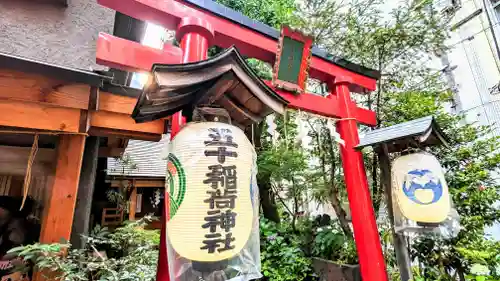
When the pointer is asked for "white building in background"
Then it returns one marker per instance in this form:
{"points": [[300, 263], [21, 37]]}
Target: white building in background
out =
{"points": [[471, 65]]}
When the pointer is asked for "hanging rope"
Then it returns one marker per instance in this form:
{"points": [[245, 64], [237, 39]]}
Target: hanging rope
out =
{"points": [[33, 152], [27, 177]]}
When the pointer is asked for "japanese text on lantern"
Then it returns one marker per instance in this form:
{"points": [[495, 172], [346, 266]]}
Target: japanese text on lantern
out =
{"points": [[222, 192]]}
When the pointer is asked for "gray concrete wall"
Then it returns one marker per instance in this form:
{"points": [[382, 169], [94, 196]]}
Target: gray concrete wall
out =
{"points": [[51, 33]]}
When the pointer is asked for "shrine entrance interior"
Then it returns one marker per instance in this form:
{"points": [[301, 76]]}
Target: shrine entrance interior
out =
{"points": [[22, 205]]}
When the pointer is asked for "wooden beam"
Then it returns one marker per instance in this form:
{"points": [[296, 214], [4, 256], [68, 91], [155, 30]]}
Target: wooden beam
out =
{"points": [[20, 86], [233, 104], [141, 183], [84, 121], [106, 132], [103, 119], [115, 103], [133, 204], [60, 207], [94, 99], [38, 116]]}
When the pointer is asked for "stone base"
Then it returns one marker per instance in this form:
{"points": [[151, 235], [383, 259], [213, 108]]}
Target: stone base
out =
{"points": [[330, 271]]}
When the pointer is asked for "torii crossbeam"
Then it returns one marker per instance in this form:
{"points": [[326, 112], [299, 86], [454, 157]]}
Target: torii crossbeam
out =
{"points": [[200, 24]]}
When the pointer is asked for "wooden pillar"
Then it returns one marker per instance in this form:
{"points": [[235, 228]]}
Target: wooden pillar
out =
{"points": [[86, 186], [133, 203], [60, 205], [402, 254]]}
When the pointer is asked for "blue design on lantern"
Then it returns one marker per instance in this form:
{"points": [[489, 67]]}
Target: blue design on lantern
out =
{"points": [[422, 179]]}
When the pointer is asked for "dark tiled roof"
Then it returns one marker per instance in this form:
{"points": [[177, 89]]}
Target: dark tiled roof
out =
{"points": [[237, 17], [424, 130], [224, 80]]}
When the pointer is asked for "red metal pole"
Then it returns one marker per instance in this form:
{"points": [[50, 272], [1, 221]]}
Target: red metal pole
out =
{"points": [[195, 36], [366, 234]]}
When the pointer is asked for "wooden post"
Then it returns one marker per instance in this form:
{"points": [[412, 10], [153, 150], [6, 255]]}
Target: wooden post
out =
{"points": [[402, 255], [86, 188], [133, 203], [60, 208]]}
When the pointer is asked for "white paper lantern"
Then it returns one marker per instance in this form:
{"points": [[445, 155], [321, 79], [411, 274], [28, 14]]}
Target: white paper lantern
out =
{"points": [[209, 187], [420, 188]]}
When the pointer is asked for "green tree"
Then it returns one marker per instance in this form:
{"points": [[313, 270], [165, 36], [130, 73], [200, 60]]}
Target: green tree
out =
{"points": [[284, 165], [274, 13], [397, 45], [128, 253], [400, 47], [400, 44]]}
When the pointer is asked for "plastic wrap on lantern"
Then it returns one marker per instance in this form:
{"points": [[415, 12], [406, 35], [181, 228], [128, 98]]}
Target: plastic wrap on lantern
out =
{"points": [[213, 226], [420, 197]]}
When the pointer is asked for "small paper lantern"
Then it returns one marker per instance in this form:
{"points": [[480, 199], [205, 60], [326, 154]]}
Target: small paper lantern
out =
{"points": [[209, 189], [420, 188]]}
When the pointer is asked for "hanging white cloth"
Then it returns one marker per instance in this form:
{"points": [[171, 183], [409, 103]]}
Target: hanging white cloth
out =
{"points": [[271, 128], [301, 129], [333, 131]]}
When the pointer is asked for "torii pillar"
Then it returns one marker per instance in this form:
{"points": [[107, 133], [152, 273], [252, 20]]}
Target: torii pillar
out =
{"points": [[364, 224], [195, 36], [196, 29]]}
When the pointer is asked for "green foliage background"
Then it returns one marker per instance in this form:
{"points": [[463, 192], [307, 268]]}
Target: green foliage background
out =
{"points": [[399, 44]]}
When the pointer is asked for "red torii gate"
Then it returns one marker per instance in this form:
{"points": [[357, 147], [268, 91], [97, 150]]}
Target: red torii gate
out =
{"points": [[197, 29]]}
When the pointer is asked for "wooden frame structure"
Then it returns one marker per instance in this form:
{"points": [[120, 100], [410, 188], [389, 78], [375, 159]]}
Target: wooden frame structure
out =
{"points": [[72, 104]]}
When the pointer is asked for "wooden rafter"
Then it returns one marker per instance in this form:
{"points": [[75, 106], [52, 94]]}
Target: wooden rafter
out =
{"points": [[35, 101]]}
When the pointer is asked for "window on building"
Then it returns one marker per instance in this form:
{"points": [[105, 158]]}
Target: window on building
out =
{"points": [[449, 6], [496, 8]]}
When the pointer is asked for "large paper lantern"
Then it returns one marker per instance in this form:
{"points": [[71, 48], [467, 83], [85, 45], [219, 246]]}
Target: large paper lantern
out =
{"points": [[420, 188], [209, 187]]}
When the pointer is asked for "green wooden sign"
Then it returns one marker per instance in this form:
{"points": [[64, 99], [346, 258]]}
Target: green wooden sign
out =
{"points": [[291, 60]]}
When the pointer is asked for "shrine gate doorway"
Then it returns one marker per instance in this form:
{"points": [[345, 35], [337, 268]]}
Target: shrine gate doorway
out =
{"points": [[202, 24]]}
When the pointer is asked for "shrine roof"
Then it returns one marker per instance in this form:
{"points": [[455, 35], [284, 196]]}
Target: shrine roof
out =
{"points": [[101, 79], [146, 155], [415, 133], [56, 71], [224, 80], [237, 17]]}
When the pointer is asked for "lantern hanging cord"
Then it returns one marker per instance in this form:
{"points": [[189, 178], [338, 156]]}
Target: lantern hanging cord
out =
{"points": [[27, 176]]}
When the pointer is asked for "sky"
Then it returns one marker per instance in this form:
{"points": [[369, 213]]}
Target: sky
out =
{"points": [[152, 38]]}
